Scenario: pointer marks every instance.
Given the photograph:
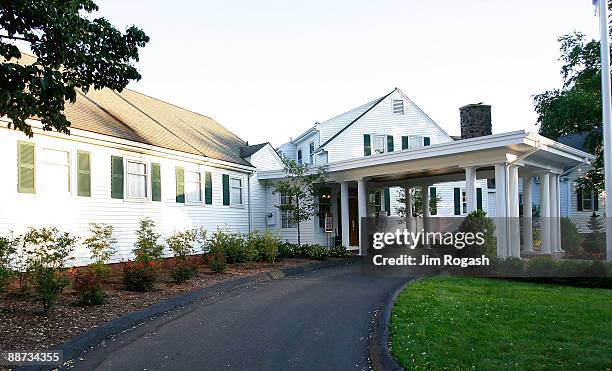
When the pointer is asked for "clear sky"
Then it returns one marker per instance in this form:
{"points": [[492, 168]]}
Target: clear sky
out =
{"points": [[269, 69]]}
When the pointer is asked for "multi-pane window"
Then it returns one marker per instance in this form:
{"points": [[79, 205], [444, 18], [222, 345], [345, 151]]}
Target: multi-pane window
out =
{"points": [[136, 179], [416, 142], [379, 143], [236, 191], [286, 215], [324, 208], [193, 186], [587, 201], [398, 106], [299, 156], [311, 152], [55, 172], [463, 201]]}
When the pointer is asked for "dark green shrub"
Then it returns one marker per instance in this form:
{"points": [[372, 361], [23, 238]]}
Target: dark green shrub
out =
{"points": [[338, 251], [571, 268], [140, 276], [182, 273], [541, 266], [88, 285], [478, 222], [234, 248], [570, 237], [510, 267], [317, 252], [595, 269], [217, 262], [8, 248], [49, 284], [595, 241], [288, 250]]}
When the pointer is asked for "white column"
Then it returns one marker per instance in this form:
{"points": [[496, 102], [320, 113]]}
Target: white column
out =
{"points": [[514, 230], [501, 209], [470, 188], [344, 212], [425, 207], [545, 213], [558, 194], [362, 206], [409, 218], [527, 215], [555, 241]]}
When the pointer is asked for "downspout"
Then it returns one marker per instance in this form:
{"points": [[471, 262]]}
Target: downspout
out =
{"points": [[250, 176]]}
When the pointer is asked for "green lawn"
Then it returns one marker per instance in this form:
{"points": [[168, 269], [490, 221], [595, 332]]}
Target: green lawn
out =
{"points": [[461, 322]]}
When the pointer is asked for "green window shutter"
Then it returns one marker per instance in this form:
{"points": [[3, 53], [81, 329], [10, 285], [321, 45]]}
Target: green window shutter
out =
{"points": [[208, 188], [595, 201], [226, 192], [25, 167], [367, 145], [433, 201], [180, 184], [155, 182], [578, 199], [457, 201], [404, 142], [479, 198], [116, 177], [390, 143], [426, 141], [83, 174], [387, 200]]}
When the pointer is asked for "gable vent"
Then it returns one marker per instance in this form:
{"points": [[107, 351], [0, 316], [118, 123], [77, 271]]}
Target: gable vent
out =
{"points": [[398, 106]]}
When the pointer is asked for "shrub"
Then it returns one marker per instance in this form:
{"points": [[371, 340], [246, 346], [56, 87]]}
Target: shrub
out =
{"points": [[218, 242], [88, 285], [251, 250], [234, 248], [595, 241], [478, 222], [146, 248], [217, 262], [270, 247], [140, 276], [100, 246], [316, 252], [46, 253], [595, 269], [541, 266], [288, 250], [49, 284], [339, 251], [8, 248], [510, 267], [570, 268], [570, 237], [182, 273]]}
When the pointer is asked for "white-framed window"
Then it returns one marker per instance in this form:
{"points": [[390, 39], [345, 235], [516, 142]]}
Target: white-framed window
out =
{"points": [[587, 201], [136, 174], [55, 172], [299, 156], [286, 219], [398, 106], [415, 142], [311, 152], [380, 142], [193, 186], [463, 201], [236, 191]]}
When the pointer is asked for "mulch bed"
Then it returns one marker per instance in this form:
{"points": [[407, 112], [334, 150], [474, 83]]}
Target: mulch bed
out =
{"points": [[24, 327]]}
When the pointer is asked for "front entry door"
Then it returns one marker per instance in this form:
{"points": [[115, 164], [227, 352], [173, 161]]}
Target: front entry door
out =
{"points": [[353, 222]]}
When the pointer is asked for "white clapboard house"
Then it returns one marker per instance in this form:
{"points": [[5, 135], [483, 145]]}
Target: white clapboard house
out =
{"points": [[130, 156]]}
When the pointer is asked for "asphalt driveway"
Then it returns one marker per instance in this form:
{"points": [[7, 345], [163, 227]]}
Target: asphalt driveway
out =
{"points": [[311, 321]]}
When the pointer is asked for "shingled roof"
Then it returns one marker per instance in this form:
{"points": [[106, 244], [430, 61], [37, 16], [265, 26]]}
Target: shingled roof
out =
{"points": [[137, 117]]}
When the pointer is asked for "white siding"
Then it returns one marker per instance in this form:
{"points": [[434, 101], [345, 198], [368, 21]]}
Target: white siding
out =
{"points": [[264, 159], [73, 213], [382, 120]]}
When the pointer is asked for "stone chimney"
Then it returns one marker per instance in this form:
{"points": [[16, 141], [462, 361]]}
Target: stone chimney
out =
{"points": [[475, 120]]}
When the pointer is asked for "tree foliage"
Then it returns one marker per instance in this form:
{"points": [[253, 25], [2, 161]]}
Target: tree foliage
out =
{"points": [[302, 185], [576, 107], [74, 52], [417, 202]]}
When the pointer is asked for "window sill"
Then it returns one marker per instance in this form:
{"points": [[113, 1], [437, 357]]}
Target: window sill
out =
{"points": [[237, 206], [136, 200]]}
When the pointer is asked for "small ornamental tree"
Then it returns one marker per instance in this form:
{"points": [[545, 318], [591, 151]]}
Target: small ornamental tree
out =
{"points": [[100, 244], [301, 186], [182, 245], [147, 248], [595, 241], [8, 248]]}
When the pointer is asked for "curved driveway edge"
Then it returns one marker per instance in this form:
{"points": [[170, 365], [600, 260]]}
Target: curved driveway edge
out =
{"points": [[76, 346], [378, 347]]}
